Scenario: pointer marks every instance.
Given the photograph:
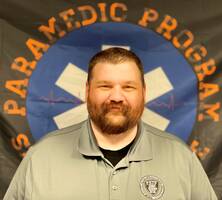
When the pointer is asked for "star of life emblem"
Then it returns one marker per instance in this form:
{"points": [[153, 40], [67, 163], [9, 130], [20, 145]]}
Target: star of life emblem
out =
{"points": [[152, 187]]}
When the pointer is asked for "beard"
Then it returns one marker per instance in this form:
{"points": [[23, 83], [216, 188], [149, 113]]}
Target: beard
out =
{"points": [[114, 117]]}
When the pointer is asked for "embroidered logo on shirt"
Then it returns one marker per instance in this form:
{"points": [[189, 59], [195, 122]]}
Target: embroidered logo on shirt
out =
{"points": [[152, 187]]}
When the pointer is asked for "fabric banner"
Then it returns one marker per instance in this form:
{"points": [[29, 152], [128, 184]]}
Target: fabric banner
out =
{"points": [[44, 52]]}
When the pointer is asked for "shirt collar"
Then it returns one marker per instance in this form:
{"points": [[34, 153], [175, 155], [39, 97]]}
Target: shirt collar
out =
{"points": [[140, 150], [142, 146], [87, 141]]}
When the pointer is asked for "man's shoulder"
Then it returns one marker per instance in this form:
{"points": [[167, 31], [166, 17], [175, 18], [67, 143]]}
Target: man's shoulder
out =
{"points": [[162, 137], [65, 138], [160, 133], [64, 132]]}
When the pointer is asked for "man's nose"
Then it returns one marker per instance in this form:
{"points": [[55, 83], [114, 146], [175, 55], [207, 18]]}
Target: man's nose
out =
{"points": [[116, 95]]}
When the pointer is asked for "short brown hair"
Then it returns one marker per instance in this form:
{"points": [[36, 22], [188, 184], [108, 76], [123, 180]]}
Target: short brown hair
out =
{"points": [[115, 55]]}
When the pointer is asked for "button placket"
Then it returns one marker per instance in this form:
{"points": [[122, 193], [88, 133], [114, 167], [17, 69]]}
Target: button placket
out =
{"points": [[114, 173], [114, 186]]}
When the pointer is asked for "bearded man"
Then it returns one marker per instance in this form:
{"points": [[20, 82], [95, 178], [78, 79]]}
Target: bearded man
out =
{"points": [[113, 154]]}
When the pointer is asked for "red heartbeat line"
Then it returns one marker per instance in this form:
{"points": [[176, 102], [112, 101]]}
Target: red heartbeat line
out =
{"points": [[51, 99], [172, 104]]}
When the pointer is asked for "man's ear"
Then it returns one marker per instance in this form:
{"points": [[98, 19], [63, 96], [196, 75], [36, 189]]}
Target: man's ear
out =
{"points": [[144, 92], [87, 91]]}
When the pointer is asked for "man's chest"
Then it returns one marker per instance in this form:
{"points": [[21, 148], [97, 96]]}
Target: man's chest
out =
{"points": [[95, 179]]}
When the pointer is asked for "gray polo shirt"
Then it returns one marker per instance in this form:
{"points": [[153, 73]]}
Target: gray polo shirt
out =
{"points": [[67, 165]]}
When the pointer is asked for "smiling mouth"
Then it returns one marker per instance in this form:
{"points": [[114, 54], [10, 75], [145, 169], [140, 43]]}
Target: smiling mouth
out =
{"points": [[115, 108], [115, 113]]}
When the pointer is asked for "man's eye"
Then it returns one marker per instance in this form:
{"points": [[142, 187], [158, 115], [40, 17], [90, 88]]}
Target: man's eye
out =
{"points": [[129, 87], [105, 86]]}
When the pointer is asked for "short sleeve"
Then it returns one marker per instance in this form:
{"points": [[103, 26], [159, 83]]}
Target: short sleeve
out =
{"points": [[20, 187], [201, 187]]}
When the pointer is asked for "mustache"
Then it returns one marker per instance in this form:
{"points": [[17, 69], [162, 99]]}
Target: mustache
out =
{"points": [[115, 105]]}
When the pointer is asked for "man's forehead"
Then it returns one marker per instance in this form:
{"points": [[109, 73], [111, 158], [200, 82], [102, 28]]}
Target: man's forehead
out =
{"points": [[106, 81], [116, 67], [107, 62], [126, 72]]}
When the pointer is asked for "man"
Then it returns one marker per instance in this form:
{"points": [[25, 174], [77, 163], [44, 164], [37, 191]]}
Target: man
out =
{"points": [[113, 154]]}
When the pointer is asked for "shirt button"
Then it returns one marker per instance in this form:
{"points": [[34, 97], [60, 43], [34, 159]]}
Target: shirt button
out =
{"points": [[114, 173], [114, 187]]}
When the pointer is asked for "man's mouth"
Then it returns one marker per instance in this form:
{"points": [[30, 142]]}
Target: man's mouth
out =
{"points": [[116, 109]]}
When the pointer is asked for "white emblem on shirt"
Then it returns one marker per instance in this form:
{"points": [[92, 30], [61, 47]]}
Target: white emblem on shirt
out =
{"points": [[152, 187]]}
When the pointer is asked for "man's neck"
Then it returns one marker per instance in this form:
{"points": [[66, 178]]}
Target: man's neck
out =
{"points": [[113, 141]]}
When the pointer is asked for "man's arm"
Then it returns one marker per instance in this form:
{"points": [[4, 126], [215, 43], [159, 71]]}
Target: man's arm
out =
{"points": [[20, 187], [201, 187]]}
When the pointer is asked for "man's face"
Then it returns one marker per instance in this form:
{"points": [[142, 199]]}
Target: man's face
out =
{"points": [[115, 96]]}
